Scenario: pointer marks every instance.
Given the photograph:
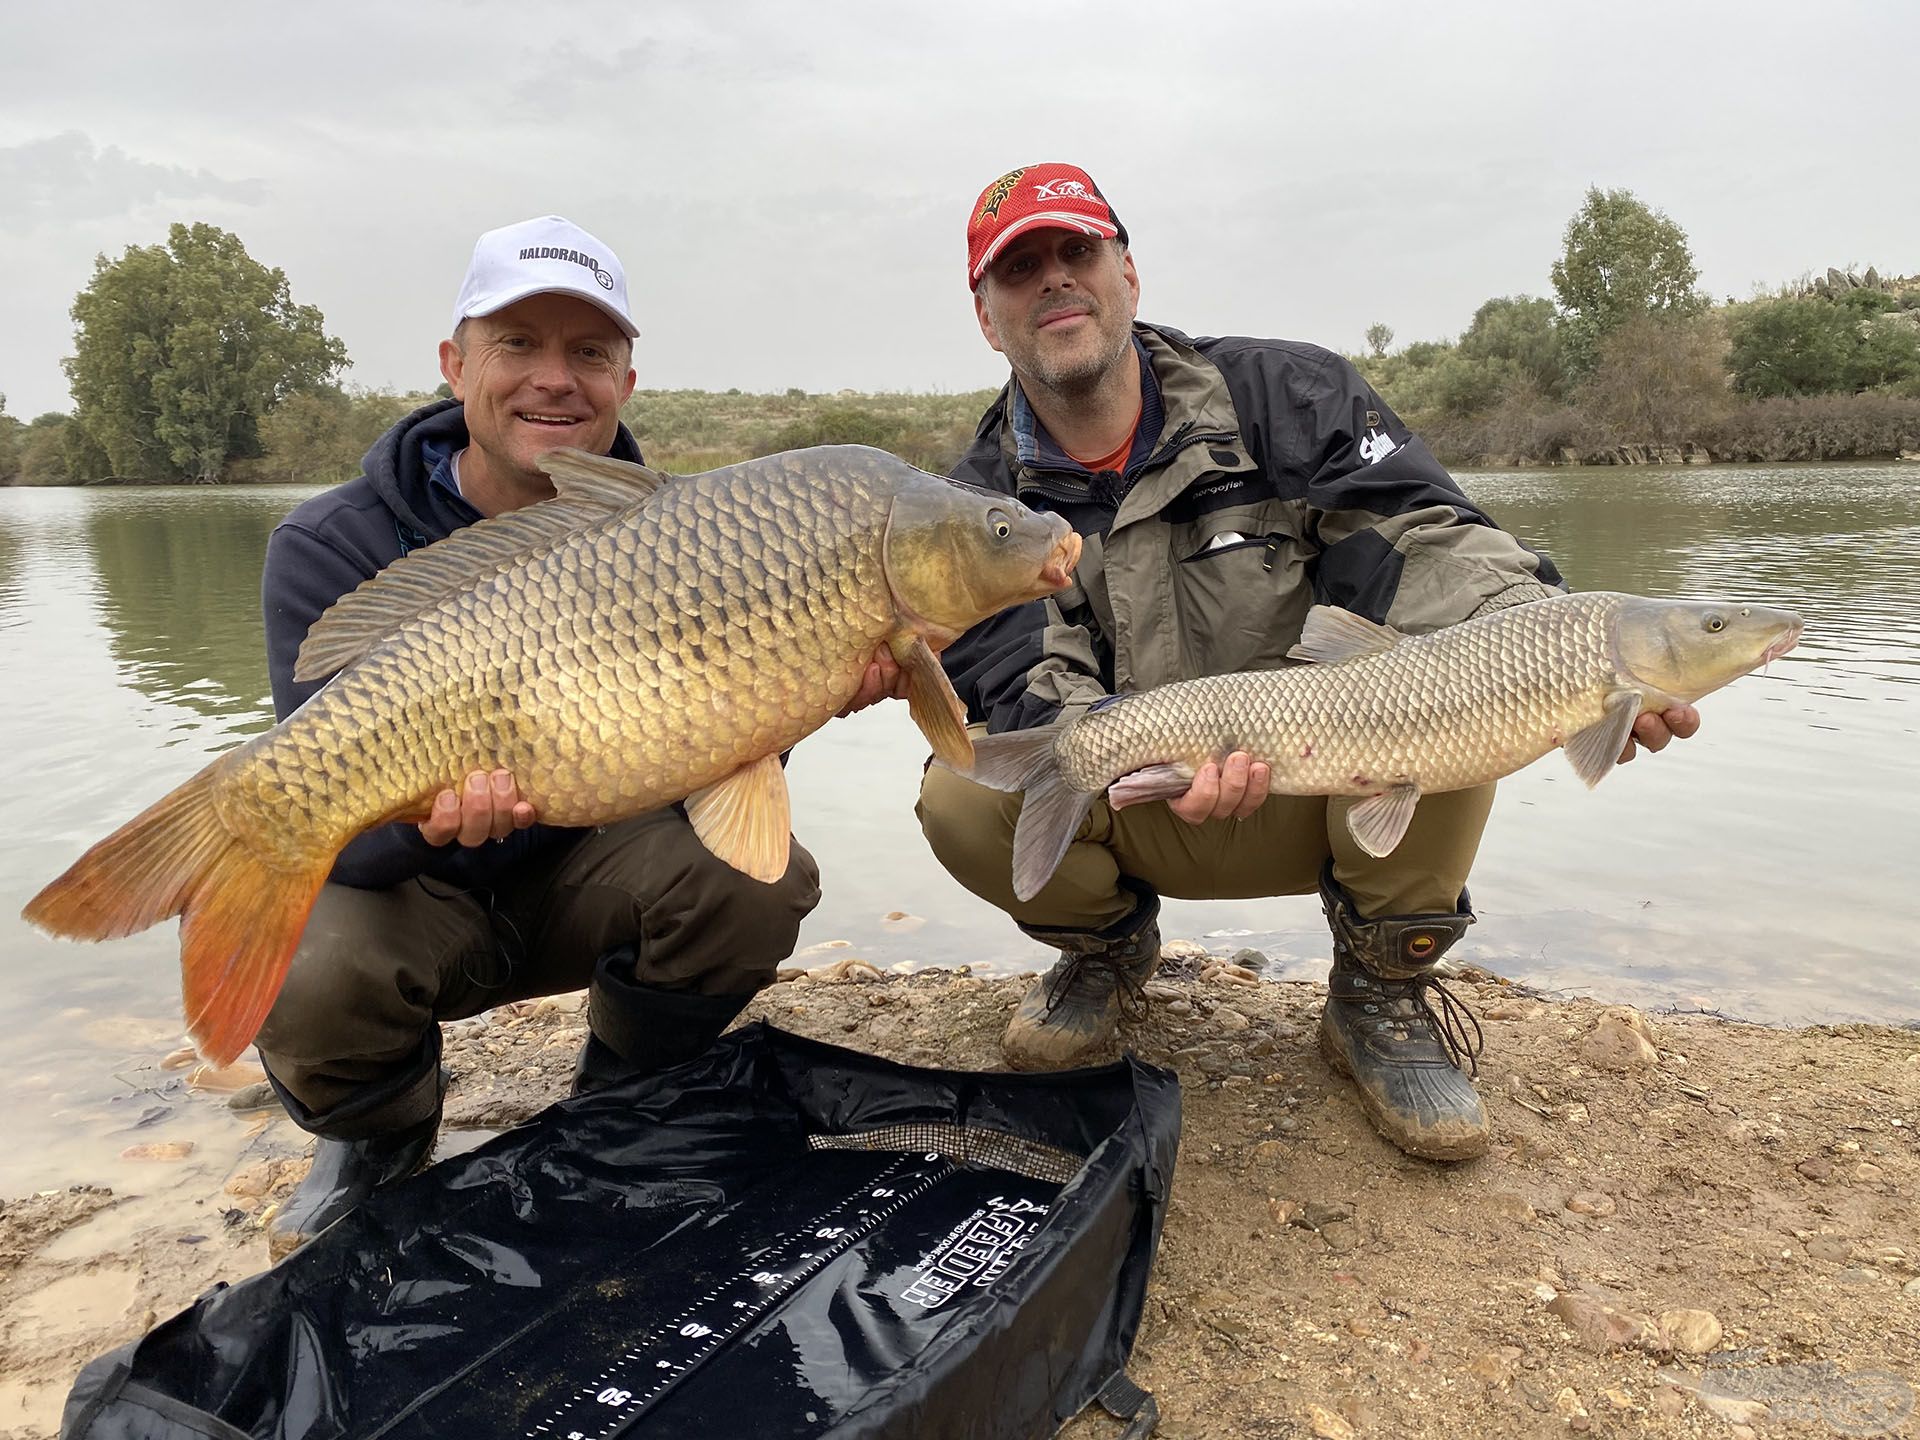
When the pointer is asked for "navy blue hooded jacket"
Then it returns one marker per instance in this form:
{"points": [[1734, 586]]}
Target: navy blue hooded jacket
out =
{"points": [[327, 547]]}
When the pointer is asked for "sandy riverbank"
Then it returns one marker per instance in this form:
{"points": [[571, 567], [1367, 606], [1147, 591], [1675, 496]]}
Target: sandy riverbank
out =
{"points": [[1687, 1226]]}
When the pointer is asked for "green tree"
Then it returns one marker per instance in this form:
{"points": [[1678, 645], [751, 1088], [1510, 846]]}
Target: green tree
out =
{"points": [[1514, 337], [320, 436], [43, 451], [1621, 261], [1790, 347], [182, 349], [11, 433], [1814, 346], [1379, 337]]}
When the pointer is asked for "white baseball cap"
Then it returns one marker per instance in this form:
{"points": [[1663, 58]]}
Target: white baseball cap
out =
{"points": [[547, 256]]}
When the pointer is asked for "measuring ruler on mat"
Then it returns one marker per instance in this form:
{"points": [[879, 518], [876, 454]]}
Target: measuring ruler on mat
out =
{"points": [[620, 1394]]}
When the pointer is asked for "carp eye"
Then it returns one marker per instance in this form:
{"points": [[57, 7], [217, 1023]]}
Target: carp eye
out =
{"points": [[1419, 946], [998, 522], [1715, 624]]}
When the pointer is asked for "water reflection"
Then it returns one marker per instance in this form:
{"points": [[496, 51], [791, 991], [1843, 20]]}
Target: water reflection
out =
{"points": [[179, 595], [10, 576], [1836, 543]]}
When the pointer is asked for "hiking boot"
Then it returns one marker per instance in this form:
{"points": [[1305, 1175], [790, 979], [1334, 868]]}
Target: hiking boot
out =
{"points": [[1071, 1012], [635, 1029], [1398, 1033], [345, 1172]]}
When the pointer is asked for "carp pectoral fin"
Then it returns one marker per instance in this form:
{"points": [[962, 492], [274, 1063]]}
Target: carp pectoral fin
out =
{"points": [[746, 819], [1379, 822], [1153, 782], [1594, 751], [1331, 635], [932, 703]]}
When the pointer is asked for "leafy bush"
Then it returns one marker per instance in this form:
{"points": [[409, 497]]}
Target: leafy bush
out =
{"points": [[691, 430], [319, 437], [1815, 346]]}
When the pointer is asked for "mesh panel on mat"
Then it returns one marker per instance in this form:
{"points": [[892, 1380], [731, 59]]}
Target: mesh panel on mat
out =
{"points": [[968, 1144]]}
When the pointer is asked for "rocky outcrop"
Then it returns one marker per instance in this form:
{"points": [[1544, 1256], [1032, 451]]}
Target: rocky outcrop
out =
{"points": [[1685, 453], [1837, 282]]}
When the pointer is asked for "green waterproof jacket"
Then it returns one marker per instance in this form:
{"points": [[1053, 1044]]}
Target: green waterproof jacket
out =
{"points": [[1277, 479]]}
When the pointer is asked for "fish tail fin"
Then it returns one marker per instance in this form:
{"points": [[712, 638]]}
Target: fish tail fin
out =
{"points": [[237, 940], [241, 919], [1051, 810], [1015, 760], [141, 874]]}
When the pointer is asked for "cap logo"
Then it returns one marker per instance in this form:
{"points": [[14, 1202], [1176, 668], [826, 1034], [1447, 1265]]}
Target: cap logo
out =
{"points": [[549, 252], [997, 194], [1063, 190]]}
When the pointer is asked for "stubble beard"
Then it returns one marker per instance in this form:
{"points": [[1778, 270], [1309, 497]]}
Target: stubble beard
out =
{"points": [[1076, 379]]}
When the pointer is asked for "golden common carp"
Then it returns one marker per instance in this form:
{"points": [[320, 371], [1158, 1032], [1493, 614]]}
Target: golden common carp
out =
{"points": [[1385, 715], [636, 640]]}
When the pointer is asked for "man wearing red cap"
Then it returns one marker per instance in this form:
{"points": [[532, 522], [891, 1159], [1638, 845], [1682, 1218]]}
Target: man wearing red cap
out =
{"points": [[1221, 486]]}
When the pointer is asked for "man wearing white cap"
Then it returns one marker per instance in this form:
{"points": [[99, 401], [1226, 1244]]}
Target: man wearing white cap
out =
{"points": [[480, 903]]}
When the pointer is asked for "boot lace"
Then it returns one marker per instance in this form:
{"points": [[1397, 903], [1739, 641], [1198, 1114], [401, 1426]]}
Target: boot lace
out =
{"points": [[1087, 979], [1427, 997]]}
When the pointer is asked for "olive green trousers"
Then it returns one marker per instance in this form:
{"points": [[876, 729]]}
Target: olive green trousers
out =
{"points": [[352, 1039], [1278, 850]]}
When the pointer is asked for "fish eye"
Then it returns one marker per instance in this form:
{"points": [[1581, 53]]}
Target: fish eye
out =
{"points": [[1715, 624], [998, 522]]}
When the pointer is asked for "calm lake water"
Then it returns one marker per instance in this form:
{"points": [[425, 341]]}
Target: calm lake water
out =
{"points": [[1763, 869]]}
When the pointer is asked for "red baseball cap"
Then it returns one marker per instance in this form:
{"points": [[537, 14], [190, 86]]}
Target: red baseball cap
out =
{"points": [[1036, 197]]}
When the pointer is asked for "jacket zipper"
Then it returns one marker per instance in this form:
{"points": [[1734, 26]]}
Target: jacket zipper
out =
{"points": [[1039, 481]]}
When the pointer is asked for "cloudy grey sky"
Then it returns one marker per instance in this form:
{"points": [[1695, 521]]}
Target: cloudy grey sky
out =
{"points": [[788, 184]]}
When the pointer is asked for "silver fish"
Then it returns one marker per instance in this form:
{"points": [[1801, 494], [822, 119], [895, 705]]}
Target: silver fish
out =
{"points": [[1388, 716]]}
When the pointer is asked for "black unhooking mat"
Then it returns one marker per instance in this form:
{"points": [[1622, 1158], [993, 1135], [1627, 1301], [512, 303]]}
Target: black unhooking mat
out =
{"points": [[783, 1238]]}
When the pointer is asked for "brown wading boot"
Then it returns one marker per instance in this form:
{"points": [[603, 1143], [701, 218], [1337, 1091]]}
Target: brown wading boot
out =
{"points": [[1072, 1011], [1381, 1028]]}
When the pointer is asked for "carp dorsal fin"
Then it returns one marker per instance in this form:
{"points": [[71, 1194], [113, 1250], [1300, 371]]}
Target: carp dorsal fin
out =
{"points": [[1332, 635], [746, 819], [1595, 751], [582, 475], [422, 579]]}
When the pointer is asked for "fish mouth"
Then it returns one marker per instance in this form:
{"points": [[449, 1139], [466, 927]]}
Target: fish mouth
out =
{"points": [[1786, 642], [1059, 567]]}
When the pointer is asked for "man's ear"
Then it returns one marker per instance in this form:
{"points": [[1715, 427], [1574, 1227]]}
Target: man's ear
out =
{"points": [[453, 365], [1133, 283], [986, 320]]}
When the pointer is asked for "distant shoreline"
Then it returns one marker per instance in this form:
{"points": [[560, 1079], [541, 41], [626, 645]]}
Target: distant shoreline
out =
{"points": [[1630, 457]]}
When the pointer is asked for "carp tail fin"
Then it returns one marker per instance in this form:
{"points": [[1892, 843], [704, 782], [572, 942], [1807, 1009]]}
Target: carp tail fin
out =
{"points": [[240, 919], [237, 940]]}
